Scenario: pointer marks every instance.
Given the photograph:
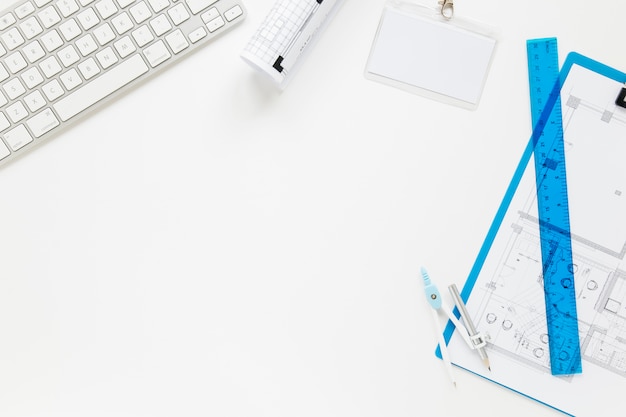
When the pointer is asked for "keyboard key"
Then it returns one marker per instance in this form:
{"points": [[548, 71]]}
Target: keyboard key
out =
{"points": [[52, 90], [125, 3], [16, 62], [34, 51], [14, 88], [68, 56], [233, 13], [4, 151], [178, 14], [215, 24], [160, 25], [4, 123], [12, 39], [50, 66], [24, 10], [140, 12], [158, 5], [143, 36], [122, 23], [104, 34], [86, 44], [49, 17], [106, 8], [32, 77], [34, 101], [107, 83], [6, 21], [3, 73], [124, 47], [42, 123], [177, 41], [157, 53], [197, 6], [52, 40], [209, 15], [71, 79], [89, 68], [70, 29], [18, 137], [31, 27], [197, 34], [67, 7], [106, 57], [17, 111], [88, 18]]}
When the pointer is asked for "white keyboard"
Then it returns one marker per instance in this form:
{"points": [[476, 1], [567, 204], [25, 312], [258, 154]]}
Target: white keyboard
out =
{"points": [[59, 58]]}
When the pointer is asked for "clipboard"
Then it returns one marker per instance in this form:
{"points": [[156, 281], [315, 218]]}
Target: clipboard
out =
{"points": [[504, 292]]}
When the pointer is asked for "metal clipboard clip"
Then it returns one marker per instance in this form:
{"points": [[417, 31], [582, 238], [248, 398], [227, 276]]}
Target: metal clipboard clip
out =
{"points": [[447, 8], [621, 98]]}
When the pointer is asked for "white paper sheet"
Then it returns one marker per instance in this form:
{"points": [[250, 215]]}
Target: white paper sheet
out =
{"points": [[507, 299]]}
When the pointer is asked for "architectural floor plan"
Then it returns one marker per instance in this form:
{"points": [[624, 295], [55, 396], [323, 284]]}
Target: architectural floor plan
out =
{"points": [[507, 298]]}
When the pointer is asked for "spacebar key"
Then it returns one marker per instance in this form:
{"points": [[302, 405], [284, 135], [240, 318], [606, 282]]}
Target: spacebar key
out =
{"points": [[109, 82]]}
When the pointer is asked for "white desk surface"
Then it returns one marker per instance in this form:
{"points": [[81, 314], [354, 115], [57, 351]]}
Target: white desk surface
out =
{"points": [[207, 246]]}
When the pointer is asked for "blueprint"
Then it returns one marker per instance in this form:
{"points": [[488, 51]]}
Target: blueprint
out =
{"points": [[286, 34], [507, 298]]}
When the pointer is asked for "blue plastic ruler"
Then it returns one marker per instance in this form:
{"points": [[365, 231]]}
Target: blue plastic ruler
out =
{"points": [[552, 203]]}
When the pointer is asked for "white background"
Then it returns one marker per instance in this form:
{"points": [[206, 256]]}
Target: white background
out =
{"points": [[208, 246]]}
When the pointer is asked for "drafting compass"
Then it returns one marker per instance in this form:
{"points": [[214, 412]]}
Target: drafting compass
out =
{"points": [[473, 338]]}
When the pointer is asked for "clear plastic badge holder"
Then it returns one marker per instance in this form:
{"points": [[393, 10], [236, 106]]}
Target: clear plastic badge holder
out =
{"points": [[430, 52]]}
